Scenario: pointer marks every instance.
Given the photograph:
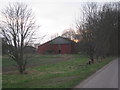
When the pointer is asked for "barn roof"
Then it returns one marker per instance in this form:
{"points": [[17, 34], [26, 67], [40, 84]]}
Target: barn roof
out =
{"points": [[60, 40]]}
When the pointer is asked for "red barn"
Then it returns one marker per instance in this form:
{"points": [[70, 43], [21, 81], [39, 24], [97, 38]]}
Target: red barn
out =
{"points": [[59, 45]]}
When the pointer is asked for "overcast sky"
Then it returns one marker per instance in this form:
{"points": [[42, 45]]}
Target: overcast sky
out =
{"points": [[54, 16]]}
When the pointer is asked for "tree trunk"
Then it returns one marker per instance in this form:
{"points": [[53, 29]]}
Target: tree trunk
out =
{"points": [[22, 65], [92, 60], [21, 69]]}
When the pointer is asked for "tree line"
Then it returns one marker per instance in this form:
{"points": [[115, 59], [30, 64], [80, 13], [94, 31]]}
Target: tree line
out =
{"points": [[99, 30]]}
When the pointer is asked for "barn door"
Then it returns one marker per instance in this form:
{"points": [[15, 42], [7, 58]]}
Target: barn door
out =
{"points": [[59, 48]]}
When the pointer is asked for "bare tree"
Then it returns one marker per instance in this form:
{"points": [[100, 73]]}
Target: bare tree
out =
{"points": [[86, 28], [69, 33], [18, 27]]}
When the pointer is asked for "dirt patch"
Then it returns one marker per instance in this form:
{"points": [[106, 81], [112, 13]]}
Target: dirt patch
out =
{"points": [[11, 73], [30, 72]]}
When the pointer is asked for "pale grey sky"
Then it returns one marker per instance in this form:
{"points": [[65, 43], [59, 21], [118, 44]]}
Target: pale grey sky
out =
{"points": [[54, 16]]}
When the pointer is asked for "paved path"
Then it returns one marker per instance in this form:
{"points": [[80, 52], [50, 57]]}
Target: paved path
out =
{"points": [[107, 77]]}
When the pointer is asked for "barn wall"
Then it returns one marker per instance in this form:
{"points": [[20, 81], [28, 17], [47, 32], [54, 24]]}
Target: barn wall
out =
{"points": [[65, 48], [55, 48], [43, 48]]}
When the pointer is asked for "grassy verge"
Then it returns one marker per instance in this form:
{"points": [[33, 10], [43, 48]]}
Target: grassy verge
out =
{"points": [[65, 74]]}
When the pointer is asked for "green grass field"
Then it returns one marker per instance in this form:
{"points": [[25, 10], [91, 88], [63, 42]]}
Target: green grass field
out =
{"points": [[63, 74]]}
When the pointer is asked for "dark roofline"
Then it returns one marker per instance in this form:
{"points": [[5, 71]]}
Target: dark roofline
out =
{"points": [[45, 42], [55, 38]]}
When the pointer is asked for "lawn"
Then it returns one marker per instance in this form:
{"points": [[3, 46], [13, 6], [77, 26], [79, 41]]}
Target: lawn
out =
{"points": [[35, 60], [58, 74]]}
